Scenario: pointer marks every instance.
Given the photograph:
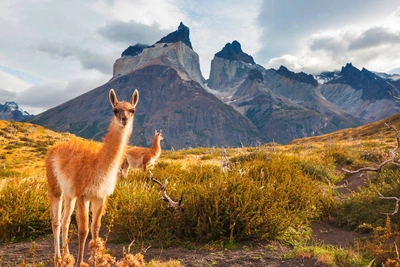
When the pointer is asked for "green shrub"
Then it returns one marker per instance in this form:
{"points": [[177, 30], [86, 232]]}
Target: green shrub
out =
{"points": [[258, 198]]}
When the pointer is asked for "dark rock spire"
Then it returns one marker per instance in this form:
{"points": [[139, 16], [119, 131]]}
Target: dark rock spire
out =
{"points": [[234, 52], [300, 77], [180, 35]]}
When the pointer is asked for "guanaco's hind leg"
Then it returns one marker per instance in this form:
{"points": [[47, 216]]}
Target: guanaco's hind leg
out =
{"points": [[98, 207]]}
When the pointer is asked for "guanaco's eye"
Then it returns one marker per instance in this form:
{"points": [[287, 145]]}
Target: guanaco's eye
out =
{"points": [[132, 110], [115, 111]]}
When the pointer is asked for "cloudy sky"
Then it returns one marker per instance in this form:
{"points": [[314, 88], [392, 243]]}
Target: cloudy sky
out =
{"points": [[52, 51]]}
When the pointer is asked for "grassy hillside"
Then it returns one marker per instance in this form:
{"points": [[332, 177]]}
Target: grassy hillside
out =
{"points": [[24, 146], [375, 133], [270, 192]]}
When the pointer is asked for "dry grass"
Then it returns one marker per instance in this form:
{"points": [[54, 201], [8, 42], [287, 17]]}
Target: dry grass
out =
{"points": [[23, 146], [271, 192]]}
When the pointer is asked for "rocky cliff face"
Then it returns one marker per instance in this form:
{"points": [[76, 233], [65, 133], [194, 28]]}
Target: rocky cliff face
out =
{"points": [[186, 113], [361, 93], [172, 98], [282, 104], [174, 50], [12, 112], [276, 117], [229, 68]]}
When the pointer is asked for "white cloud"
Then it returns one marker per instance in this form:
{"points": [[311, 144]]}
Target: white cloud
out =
{"points": [[12, 83], [39, 98], [90, 58], [6, 95], [376, 36], [131, 32], [374, 47], [164, 12]]}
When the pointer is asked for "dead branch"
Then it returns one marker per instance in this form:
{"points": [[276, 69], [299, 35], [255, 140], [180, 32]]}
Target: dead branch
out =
{"points": [[225, 162], [177, 205], [397, 203], [377, 169]]}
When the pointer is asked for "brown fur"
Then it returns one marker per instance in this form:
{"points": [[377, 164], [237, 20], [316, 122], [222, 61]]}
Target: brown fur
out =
{"points": [[81, 171], [142, 157]]}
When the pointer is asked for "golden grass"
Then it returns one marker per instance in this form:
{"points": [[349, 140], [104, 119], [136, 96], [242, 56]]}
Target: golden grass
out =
{"points": [[23, 146], [279, 175]]}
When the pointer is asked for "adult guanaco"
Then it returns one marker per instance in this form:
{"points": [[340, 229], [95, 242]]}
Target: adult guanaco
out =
{"points": [[80, 171], [142, 157]]}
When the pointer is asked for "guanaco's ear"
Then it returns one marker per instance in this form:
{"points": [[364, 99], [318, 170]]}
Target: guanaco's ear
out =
{"points": [[155, 132], [113, 98], [135, 98]]}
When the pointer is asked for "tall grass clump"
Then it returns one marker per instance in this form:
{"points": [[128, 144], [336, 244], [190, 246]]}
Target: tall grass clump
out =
{"points": [[7, 173], [316, 163], [262, 197], [24, 210]]}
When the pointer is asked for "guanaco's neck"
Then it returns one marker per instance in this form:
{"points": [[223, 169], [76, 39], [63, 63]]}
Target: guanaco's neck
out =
{"points": [[114, 144], [156, 143]]}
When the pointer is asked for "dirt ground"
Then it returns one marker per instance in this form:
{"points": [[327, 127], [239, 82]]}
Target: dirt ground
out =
{"points": [[266, 254], [263, 253]]}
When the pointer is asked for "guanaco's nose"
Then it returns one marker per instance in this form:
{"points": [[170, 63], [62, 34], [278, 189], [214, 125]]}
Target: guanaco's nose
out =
{"points": [[124, 119]]}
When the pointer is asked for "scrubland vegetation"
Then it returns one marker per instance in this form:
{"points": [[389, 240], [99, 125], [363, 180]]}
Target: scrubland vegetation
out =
{"points": [[269, 192]]}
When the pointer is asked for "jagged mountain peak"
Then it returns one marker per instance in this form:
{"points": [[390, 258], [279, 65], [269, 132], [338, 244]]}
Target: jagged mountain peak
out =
{"points": [[300, 77], [174, 50], [233, 51], [180, 35], [349, 70], [362, 92], [371, 85], [11, 111], [12, 105]]}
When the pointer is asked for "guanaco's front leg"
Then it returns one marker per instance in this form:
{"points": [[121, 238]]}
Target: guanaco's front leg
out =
{"points": [[83, 227]]}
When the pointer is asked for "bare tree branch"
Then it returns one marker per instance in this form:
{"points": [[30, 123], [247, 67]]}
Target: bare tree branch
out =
{"points": [[397, 203], [377, 169], [177, 205]]}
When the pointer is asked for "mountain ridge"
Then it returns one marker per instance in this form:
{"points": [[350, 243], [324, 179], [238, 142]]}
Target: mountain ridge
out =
{"points": [[241, 102]]}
